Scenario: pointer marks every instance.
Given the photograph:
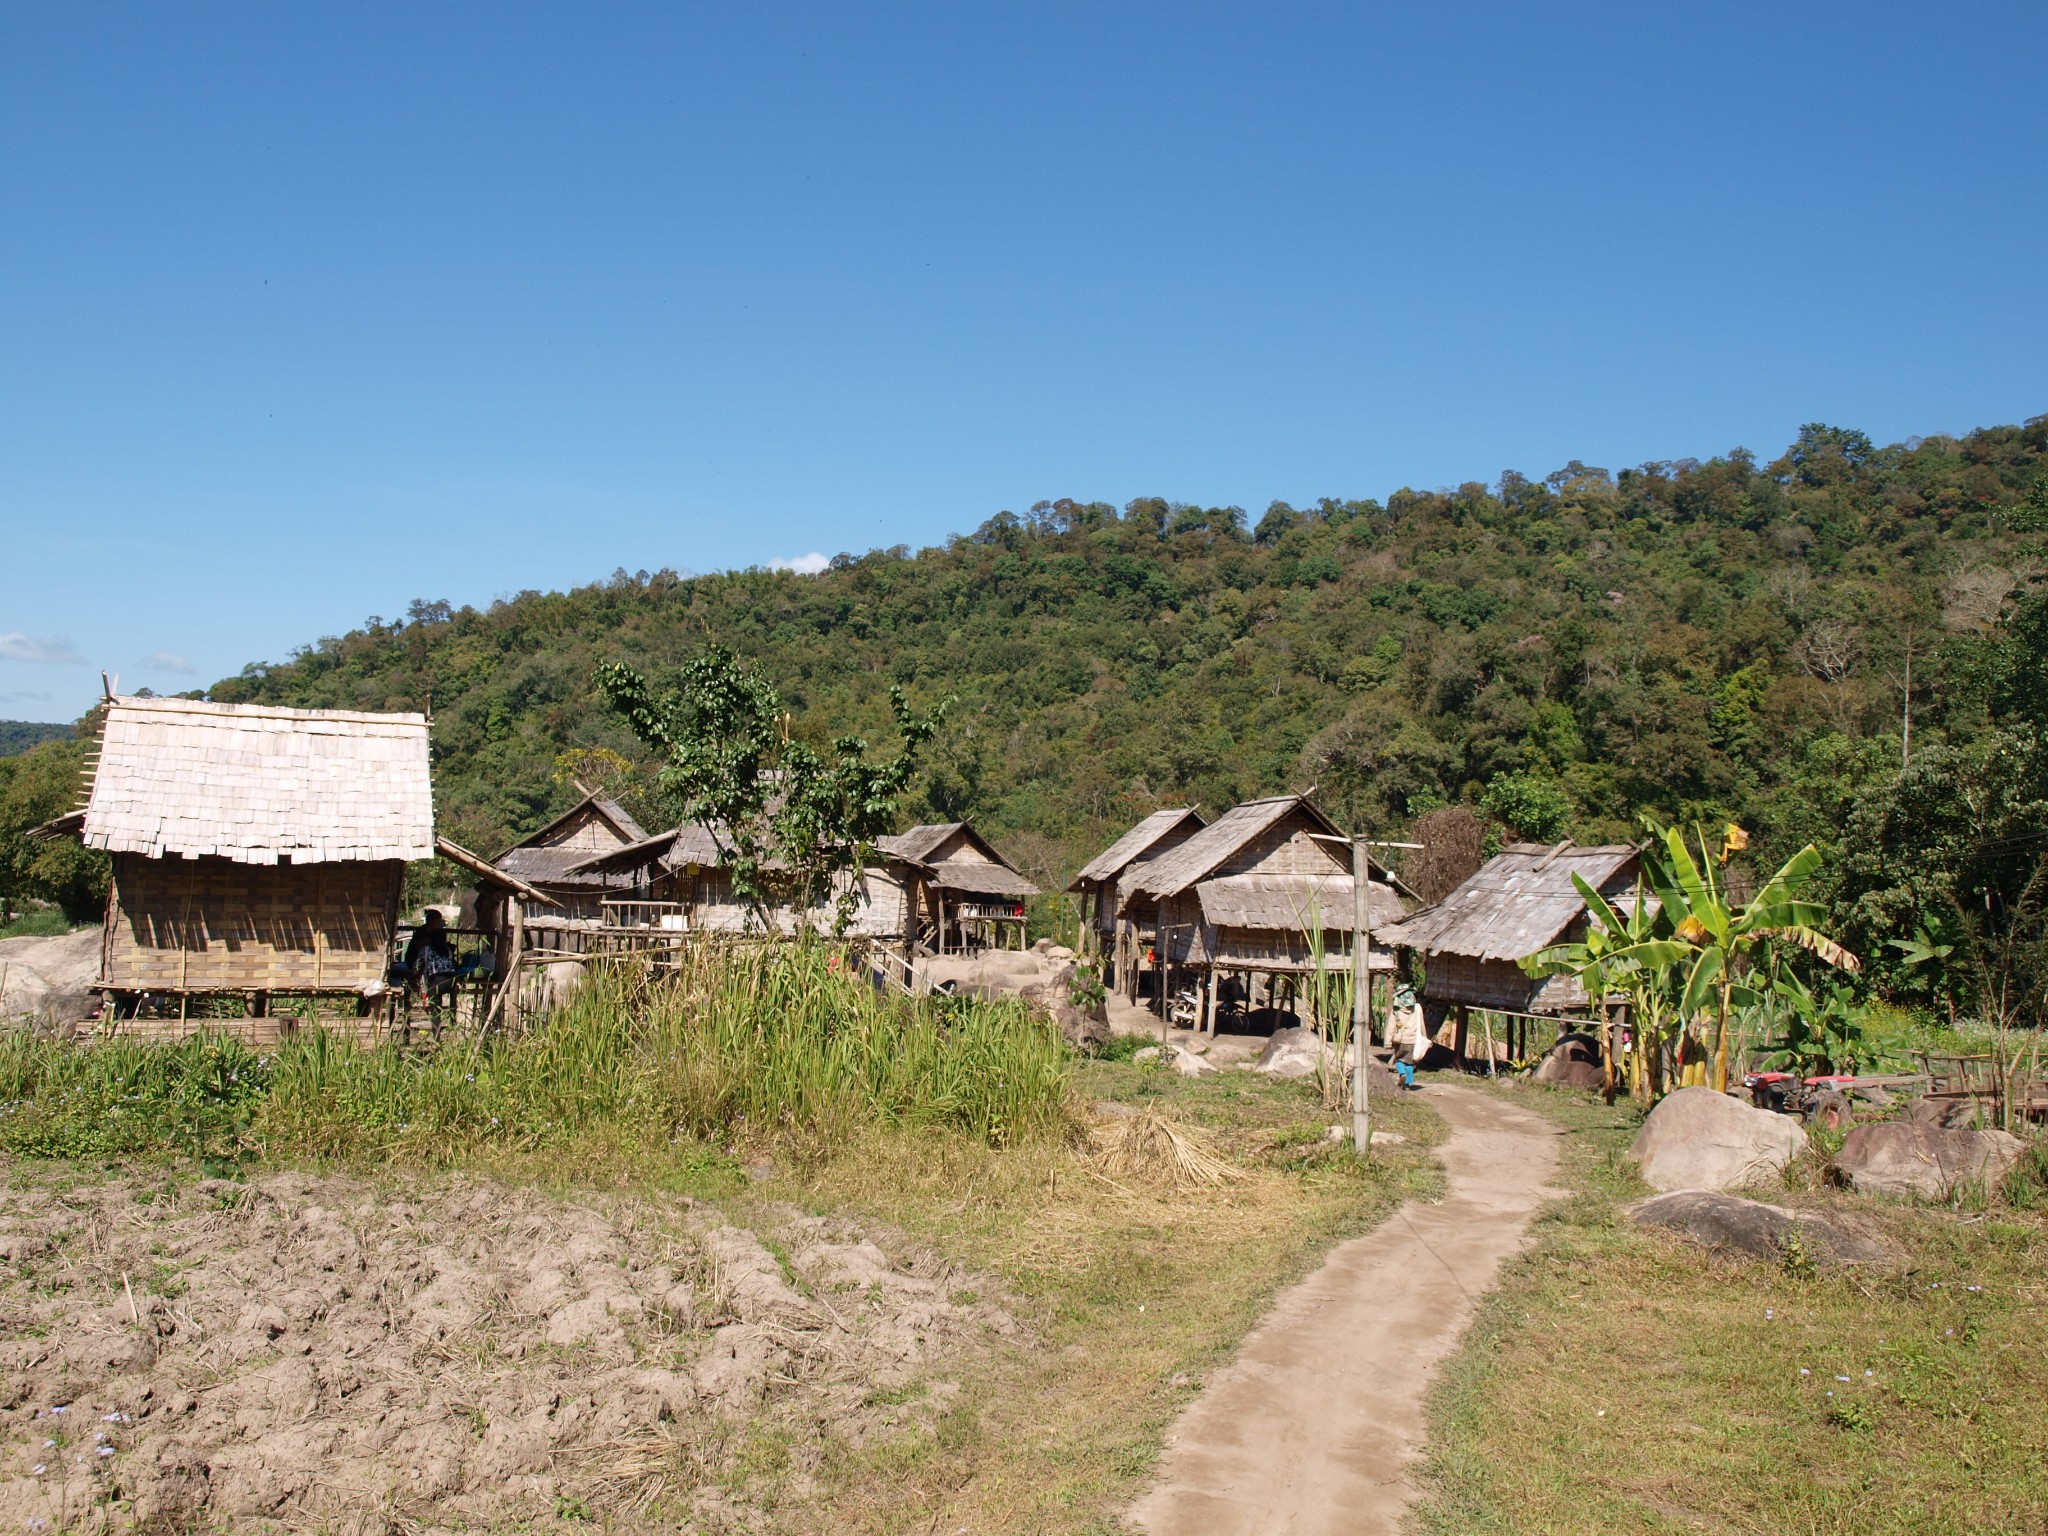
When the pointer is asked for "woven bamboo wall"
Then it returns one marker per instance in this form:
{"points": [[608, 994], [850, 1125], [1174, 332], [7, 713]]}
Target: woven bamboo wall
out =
{"points": [[1497, 984], [203, 925]]}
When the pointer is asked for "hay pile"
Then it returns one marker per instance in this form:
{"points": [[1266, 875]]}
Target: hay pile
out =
{"points": [[1146, 1145]]}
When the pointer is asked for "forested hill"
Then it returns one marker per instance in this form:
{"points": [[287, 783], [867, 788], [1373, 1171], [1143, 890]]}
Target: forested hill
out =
{"points": [[1721, 638]]}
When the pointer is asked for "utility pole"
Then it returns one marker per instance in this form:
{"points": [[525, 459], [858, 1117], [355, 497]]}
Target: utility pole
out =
{"points": [[1361, 983]]}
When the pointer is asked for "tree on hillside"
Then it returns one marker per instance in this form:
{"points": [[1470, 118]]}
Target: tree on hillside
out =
{"points": [[790, 822], [36, 786]]}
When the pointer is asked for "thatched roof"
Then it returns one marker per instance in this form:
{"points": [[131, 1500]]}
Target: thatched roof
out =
{"points": [[257, 784], [989, 875], [1288, 903], [542, 856], [1521, 901], [677, 848], [1134, 845], [921, 842], [488, 873], [1173, 871]]}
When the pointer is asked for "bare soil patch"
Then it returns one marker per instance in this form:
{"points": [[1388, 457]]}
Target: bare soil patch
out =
{"points": [[414, 1355]]}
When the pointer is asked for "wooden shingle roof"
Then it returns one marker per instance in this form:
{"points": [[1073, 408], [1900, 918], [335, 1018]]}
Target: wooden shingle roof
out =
{"points": [[1521, 901], [258, 784], [1178, 868], [1134, 845], [1293, 903]]}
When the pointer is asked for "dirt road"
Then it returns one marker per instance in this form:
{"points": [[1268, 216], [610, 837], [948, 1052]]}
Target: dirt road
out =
{"points": [[1314, 1427]]}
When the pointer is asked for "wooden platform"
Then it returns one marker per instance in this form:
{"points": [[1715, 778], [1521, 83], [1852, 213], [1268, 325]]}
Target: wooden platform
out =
{"points": [[256, 1033]]}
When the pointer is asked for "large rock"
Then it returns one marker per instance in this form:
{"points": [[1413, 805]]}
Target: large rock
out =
{"points": [[1294, 1053], [1573, 1050], [50, 979], [1902, 1157], [1700, 1139], [1958, 1113], [1728, 1223]]}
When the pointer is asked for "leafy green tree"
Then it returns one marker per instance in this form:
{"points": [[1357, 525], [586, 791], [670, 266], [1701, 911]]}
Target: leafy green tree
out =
{"points": [[1537, 808], [790, 821], [37, 786]]}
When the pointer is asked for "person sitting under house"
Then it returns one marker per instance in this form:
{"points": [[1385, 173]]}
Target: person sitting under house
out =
{"points": [[431, 962]]}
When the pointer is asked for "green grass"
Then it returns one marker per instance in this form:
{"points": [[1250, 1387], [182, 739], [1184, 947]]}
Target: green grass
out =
{"points": [[43, 923], [753, 1047], [1621, 1380]]}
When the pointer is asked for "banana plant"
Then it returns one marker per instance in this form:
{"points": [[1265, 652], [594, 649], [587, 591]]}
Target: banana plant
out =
{"points": [[1622, 949], [1823, 1025], [1720, 937]]}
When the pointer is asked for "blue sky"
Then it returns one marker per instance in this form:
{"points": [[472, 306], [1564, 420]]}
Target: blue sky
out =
{"points": [[310, 310]]}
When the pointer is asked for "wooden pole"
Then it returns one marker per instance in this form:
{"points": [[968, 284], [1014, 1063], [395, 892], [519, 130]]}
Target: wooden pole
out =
{"points": [[518, 961], [1210, 1020], [1361, 991]]}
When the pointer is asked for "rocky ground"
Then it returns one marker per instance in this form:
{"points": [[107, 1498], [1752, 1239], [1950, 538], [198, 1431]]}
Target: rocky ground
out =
{"points": [[324, 1353]]}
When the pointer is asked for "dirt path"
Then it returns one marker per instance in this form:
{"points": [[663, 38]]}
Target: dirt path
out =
{"points": [[1315, 1425]]}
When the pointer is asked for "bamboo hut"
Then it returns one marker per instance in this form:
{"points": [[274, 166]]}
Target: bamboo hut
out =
{"points": [[1521, 901], [679, 881], [1098, 885], [963, 894], [548, 859], [1263, 893], [256, 850]]}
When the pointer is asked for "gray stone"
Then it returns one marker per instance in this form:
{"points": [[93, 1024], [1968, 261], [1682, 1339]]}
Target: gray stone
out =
{"points": [[1957, 1113], [1699, 1139], [1729, 1224], [1294, 1053], [1904, 1157], [1563, 1062], [1188, 1064], [50, 979]]}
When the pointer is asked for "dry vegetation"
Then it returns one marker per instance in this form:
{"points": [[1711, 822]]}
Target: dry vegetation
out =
{"points": [[904, 1329], [1619, 1380]]}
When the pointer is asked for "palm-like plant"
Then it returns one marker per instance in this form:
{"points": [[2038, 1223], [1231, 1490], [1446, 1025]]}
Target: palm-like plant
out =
{"points": [[1720, 936], [1625, 949]]}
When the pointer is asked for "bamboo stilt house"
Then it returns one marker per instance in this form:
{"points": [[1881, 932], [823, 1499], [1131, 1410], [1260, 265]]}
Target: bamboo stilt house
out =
{"points": [[1521, 901], [255, 850], [1098, 883], [964, 895], [679, 880], [550, 859], [1264, 891]]}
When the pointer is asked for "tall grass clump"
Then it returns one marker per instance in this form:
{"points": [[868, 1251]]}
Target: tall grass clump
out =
{"points": [[746, 1045], [121, 1098]]}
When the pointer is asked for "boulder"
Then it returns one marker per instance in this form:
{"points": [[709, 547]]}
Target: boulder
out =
{"points": [[1569, 1052], [1294, 1053], [1188, 1064], [1699, 1139], [50, 979], [1729, 1224], [1956, 1113], [560, 982], [1905, 1157]]}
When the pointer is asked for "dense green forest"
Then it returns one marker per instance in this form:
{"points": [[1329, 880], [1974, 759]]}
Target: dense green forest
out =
{"points": [[20, 735], [1771, 642]]}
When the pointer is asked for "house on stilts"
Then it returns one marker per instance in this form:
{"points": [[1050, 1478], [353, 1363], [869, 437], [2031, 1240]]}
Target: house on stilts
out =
{"points": [[1522, 901], [963, 894], [257, 852], [1262, 895], [1116, 936]]}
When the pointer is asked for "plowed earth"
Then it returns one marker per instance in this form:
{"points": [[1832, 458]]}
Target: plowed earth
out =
{"points": [[323, 1353]]}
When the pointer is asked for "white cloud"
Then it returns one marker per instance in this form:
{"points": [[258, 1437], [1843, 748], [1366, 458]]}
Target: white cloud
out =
{"points": [[803, 565], [24, 698], [166, 661], [15, 646]]}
